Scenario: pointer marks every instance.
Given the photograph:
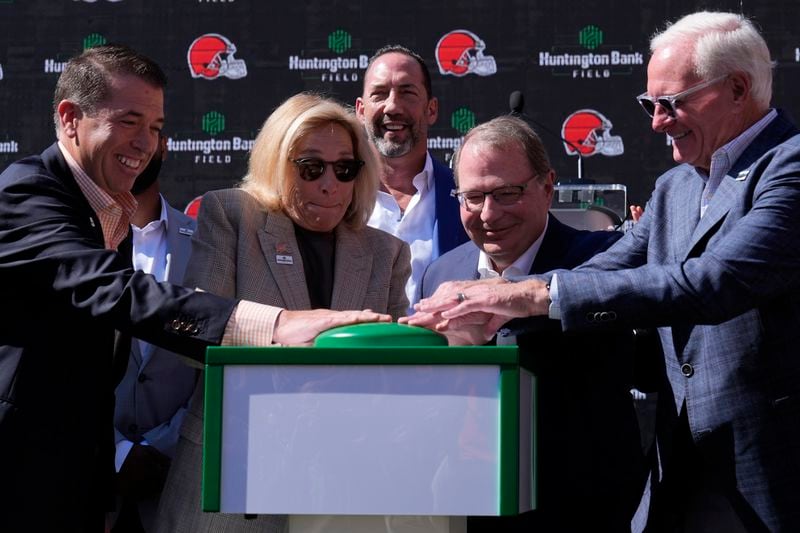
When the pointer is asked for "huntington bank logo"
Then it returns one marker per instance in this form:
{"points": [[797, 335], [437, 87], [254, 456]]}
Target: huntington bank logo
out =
{"points": [[56, 66], [339, 41], [332, 69], [213, 123], [590, 57], [460, 52], [213, 151], [588, 132], [210, 56], [9, 146], [462, 120], [92, 40], [590, 37]]}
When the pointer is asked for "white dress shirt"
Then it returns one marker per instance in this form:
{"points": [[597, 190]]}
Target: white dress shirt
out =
{"points": [[150, 256], [415, 226], [520, 267]]}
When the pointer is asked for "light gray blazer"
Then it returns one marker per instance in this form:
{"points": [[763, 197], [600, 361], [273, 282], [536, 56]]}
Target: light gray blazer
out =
{"points": [[234, 254]]}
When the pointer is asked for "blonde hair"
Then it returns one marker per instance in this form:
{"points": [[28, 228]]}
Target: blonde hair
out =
{"points": [[271, 174]]}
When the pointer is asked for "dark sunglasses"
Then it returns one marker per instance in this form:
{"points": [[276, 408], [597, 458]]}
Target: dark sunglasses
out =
{"points": [[670, 102], [312, 168]]}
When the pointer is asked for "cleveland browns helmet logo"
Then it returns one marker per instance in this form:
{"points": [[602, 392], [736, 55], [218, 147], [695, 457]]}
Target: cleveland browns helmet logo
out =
{"points": [[589, 133], [460, 52], [211, 56]]}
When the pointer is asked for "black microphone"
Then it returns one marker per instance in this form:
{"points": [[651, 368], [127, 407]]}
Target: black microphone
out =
{"points": [[516, 103]]}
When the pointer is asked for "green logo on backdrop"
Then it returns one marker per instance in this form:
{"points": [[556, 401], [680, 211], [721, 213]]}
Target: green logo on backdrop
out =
{"points": [[92, 40], [339, 41], [213, 123], [590, 37], [462, 120]]}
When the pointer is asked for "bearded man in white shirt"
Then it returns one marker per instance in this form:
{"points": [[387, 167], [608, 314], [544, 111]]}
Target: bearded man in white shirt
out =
{"points": [[397, 107]]}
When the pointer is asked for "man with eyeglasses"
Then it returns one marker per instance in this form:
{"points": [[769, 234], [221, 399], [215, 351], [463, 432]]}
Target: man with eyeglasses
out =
{"points": [[714, 262], [588, 438], [397, 107]]}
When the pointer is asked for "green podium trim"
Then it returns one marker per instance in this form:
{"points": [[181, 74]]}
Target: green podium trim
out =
{"points": [[506, 357]]}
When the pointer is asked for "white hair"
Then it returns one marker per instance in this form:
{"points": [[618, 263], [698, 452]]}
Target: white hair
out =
{"points": [[723, 43]]}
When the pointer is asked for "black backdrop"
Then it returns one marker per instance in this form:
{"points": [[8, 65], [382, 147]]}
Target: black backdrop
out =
{"points": [[318, 45]]}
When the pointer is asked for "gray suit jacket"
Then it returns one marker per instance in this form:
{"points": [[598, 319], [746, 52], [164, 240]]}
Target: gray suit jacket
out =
{"points": [[725, 290], [234, 253], [152, 397]]}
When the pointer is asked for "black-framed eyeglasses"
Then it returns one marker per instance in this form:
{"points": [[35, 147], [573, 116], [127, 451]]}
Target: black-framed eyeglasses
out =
{"points": [[506, 195], [312, 168], [670, 102]]}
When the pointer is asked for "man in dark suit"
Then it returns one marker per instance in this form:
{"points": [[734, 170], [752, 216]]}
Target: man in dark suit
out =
{"points": [[715, 263], [588, 441], [66, 290], [397, 107]]}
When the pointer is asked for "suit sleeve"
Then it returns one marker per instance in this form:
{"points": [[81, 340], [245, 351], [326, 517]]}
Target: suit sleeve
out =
{"points": [[401, 270], [755, 261], [49, 241], [212, 265]]}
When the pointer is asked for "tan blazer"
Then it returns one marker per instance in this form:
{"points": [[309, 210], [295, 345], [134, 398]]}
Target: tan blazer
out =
{"points": [[235, 253]]}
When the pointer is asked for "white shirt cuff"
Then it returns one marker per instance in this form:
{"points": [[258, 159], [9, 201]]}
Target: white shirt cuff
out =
{"points": [[554, 311]]}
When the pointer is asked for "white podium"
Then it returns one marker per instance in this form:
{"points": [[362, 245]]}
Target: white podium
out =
{"points": [[355, 432]]}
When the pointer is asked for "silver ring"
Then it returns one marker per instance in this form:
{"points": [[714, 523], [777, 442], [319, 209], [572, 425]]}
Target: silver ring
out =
{"points": [[461, 297]]}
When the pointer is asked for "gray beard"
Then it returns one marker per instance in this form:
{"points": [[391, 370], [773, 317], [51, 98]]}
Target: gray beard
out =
{"points": [[393, 149]]}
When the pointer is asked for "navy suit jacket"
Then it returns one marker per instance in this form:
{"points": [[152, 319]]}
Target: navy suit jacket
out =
{"points": [[588, 439], [447, 226], [725, 289], [64, 296]]}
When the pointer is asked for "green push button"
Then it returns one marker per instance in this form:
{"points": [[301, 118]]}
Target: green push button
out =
{"points": [[378, 334]]}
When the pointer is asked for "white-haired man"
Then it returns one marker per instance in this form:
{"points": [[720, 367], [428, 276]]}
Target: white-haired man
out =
{"points": [[715, 264]]}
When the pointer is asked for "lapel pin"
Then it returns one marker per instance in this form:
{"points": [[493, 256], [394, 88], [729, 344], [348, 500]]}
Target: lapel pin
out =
{"points": [[91, 222], [282, 256], [741, 176]]}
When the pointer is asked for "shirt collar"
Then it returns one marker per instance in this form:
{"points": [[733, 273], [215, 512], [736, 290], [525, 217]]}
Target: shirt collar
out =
{"points": [[161, 222], [723, 158], [424, 180], [520, 267], [99, 200]]}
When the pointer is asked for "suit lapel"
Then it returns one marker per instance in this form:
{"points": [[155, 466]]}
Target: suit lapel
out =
{"points": [[719, 206], [179, 244], [136, 353], [54, 161], [553, 248], [683, 213], [353, 266], [731, 185], [277, 239]]}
